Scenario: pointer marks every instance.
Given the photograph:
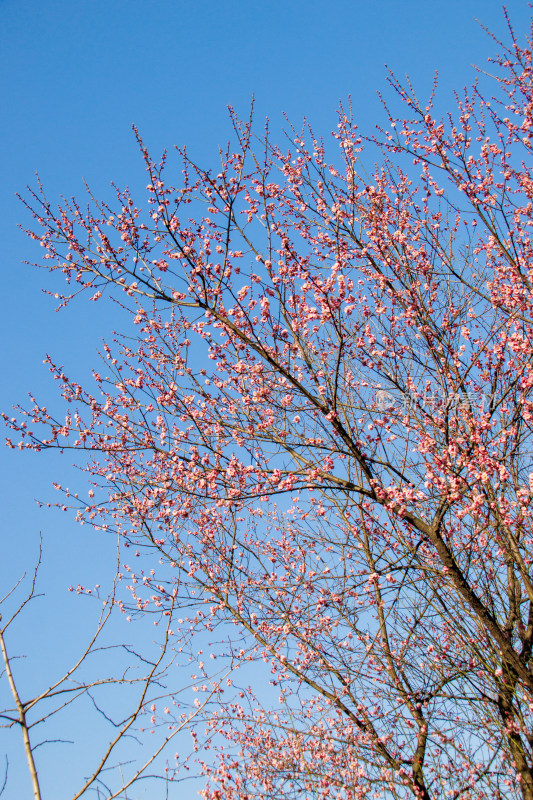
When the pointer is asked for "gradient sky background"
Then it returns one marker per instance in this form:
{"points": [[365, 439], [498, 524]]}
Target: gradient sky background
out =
{"points": [[74, 77]]}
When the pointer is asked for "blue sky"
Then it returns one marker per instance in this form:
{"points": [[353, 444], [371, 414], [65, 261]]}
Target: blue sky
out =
{"points": [[75, 76]]}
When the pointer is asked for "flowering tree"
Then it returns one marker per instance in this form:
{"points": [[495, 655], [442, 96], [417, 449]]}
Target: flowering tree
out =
{"points": [[321, 434]]}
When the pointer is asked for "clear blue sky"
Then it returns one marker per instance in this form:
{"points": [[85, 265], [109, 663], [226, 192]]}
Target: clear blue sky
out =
{"points": [[74, 77]]}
